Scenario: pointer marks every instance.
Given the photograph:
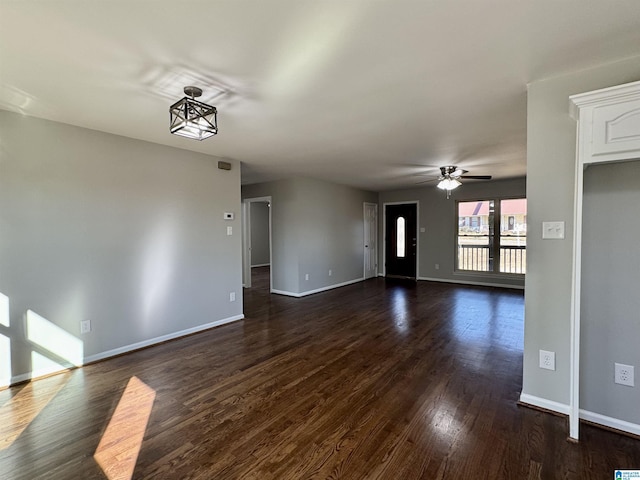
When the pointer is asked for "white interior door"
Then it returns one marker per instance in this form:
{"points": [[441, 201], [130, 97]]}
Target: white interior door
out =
{"points": [[370, 240]]}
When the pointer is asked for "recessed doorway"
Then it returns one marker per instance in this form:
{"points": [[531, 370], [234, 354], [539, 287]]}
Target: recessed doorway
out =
{"points": [[257, 251]]}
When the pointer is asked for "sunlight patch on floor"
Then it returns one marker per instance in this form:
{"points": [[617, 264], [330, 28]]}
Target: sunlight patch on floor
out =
{"points": [[18, 413], [118, 450]]}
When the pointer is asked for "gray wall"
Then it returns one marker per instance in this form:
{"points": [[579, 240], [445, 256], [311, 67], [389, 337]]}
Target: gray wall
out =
{"points": [[317, 226], [437, 216], [127, 234], [551, 139], [284, 248], [259, 216], [610, 316]]}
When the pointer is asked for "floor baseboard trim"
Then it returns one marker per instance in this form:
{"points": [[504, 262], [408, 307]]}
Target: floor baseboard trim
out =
{"points": [[610, 422], [286, 293], [468, 282], [160, 339], [317, 290], [545, 404], [593, 418], [24, 377]]}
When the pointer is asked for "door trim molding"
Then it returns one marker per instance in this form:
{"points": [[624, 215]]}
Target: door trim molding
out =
{"points": [[384, 234], [246, 239]]}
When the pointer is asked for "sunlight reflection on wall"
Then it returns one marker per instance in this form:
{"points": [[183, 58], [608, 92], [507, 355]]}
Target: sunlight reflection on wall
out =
{"points": [[67, 350], [158, 266], [4, 310], [118, 450], [5, 343]]}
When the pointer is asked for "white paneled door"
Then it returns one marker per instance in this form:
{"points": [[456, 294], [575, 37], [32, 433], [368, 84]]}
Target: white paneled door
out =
{"points": [[370, 240]]}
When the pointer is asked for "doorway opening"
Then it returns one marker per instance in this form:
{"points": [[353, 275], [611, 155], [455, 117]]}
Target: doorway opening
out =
{"points": [[257, 251]]}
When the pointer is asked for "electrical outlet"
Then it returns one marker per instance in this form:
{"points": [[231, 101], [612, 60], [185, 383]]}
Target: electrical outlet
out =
{"points": [[85, 327], [232, 297], [437, 266], [624, 374], [330, 272], [306, 277], [547, 360]]}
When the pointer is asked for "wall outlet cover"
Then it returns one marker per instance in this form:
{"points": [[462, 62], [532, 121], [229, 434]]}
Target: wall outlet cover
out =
{"points": [[624, 375], [547, 360], [85, 326]]}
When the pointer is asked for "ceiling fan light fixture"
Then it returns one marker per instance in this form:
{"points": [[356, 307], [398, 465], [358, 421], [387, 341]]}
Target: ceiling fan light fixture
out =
{"points": [[449, 184], [191, 118]]}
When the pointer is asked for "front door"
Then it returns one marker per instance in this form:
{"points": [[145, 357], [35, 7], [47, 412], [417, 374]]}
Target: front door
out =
{"points": [[401, 240]]}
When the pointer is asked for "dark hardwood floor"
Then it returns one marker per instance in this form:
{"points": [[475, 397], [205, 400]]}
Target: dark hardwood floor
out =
{"points": [[377, 380]]}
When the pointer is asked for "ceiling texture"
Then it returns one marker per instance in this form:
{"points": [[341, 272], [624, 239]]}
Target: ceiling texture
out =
{"points": [[371, 93]]}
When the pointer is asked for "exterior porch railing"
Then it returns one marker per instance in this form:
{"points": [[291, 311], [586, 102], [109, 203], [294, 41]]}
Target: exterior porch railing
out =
{"points": [[513, 258]]}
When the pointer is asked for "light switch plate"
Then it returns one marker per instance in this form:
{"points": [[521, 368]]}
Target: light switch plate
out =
{"points": [[553, 230]]}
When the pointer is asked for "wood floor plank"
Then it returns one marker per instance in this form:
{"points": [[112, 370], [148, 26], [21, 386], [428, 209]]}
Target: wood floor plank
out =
{"points": [[376, 380]]}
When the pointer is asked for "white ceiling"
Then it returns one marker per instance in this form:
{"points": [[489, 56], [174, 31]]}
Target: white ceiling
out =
{"points": [[363, 92]]}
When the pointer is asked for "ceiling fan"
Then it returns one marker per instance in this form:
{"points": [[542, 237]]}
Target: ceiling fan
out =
{"points": [[450, 176]]}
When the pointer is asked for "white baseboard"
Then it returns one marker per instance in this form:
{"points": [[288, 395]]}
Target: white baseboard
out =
{"points": [[261, 265], [162, 338], [610, 422], [317, 290], [592, 417], [544, 403], [285, 292], [120, 350], [23, 377], [42, 372], [468, 282]]}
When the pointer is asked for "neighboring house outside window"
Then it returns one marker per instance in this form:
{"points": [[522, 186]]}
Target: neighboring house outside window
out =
{"points": [[492, 236]]}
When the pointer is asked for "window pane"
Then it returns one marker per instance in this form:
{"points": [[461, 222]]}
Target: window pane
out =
{"points": [[400, 237], [475, 220], [513, 235]]}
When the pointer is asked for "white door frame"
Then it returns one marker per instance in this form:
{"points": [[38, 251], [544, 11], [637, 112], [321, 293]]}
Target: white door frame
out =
{"points": [[246, 239], [384, 234], [366, 247], [582, 107]]}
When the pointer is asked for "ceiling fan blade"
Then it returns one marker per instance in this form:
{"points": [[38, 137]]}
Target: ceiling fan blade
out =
{"points": [[477, 177], [459, 172], [427, 181]]}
